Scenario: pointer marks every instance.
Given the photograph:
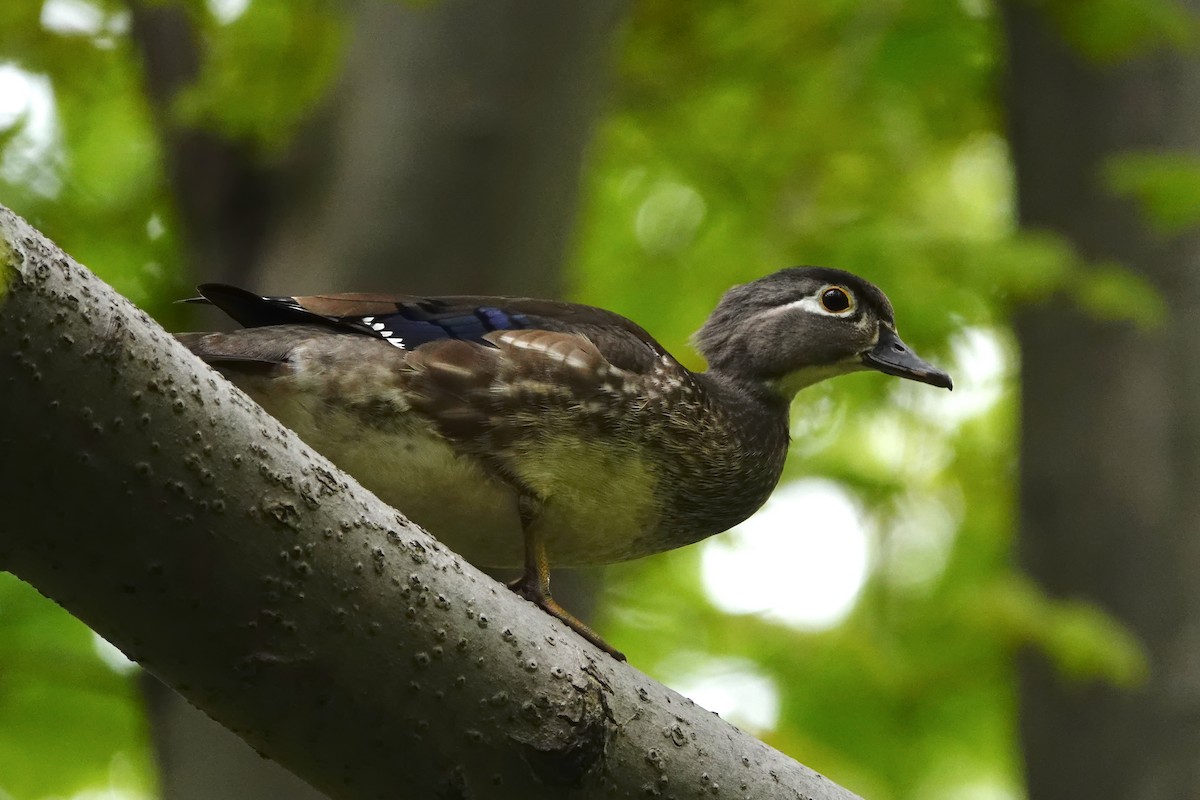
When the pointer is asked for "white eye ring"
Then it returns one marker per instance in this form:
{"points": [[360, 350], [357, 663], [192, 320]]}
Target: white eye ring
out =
{"points": [[836, 300], [816, 304]]}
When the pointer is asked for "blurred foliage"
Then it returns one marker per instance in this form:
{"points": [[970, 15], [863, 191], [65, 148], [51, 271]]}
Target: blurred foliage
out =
{"points": [[741, 137], [68, 721], [1109, 30], [1166, 185], [264, 70], [90, 170], [89, 167], [865, 136]]}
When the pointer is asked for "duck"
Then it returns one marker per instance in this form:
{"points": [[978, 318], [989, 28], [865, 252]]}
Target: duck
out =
{"points": [[528, 433]]}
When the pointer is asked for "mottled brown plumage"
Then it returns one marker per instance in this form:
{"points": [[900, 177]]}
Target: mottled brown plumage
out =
{"points": [[531, 431]]}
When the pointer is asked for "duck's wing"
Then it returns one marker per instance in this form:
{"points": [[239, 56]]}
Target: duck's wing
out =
{"points": [[409, 321]]}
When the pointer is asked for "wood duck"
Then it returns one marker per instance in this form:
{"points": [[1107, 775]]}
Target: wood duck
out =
{"points": [[527, 432]]}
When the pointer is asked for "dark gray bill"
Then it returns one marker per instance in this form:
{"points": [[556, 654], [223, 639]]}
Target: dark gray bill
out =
{"points": [[893, 357]]}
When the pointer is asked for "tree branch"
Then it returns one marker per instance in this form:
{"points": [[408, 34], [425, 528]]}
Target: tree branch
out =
{"points": [[160, 505]]}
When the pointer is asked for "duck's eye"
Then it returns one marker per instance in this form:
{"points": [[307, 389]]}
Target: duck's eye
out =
{"points": [[835, 299]]}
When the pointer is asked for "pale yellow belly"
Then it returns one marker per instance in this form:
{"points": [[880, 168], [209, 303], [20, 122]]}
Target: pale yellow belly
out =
{"points": [[596, 506]]}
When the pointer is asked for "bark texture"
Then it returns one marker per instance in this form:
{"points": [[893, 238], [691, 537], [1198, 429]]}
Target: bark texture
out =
{"points": [[1110, 450], [170, 513]]}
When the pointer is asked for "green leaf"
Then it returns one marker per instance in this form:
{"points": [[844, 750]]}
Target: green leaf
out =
{"points": [[1111, 30], [1110, 291], [1083, 642], [265, 71], [67, 720], [1166, 184]]}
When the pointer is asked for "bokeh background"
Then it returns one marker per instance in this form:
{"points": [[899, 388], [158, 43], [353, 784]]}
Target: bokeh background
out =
{"points": [[1019, 177]]}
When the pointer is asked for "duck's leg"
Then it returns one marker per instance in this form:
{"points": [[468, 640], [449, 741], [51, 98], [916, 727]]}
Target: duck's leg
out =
{"points": [[534, 583]]}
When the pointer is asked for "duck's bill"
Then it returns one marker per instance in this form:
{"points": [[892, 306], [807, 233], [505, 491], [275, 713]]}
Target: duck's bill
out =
{"points": [[893, 357]]}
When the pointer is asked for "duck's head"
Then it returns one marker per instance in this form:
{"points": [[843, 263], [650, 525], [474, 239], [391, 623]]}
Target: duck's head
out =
{"points": [[802, 325]]}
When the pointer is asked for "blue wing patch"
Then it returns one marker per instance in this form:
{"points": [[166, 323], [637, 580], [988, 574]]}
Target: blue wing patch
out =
{"points": [[411, 325]]}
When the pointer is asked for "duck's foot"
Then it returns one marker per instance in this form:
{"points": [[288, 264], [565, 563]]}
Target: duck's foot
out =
{"points": [[531, 589]]}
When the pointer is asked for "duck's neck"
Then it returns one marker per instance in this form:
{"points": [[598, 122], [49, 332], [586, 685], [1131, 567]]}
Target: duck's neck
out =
{"points": [[766, 397], [728, 457], [783, 389]]}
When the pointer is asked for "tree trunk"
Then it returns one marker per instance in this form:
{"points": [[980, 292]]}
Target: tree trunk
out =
{"points": [[450, 158], [1110, 450]]}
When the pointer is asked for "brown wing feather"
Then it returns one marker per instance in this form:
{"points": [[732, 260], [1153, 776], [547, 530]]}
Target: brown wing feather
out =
{"points": [[477, 394], [356, 304], [237, 351], [622, 342]]}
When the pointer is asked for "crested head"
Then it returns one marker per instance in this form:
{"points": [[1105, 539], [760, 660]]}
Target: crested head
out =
{"points": [[801, 325]]}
